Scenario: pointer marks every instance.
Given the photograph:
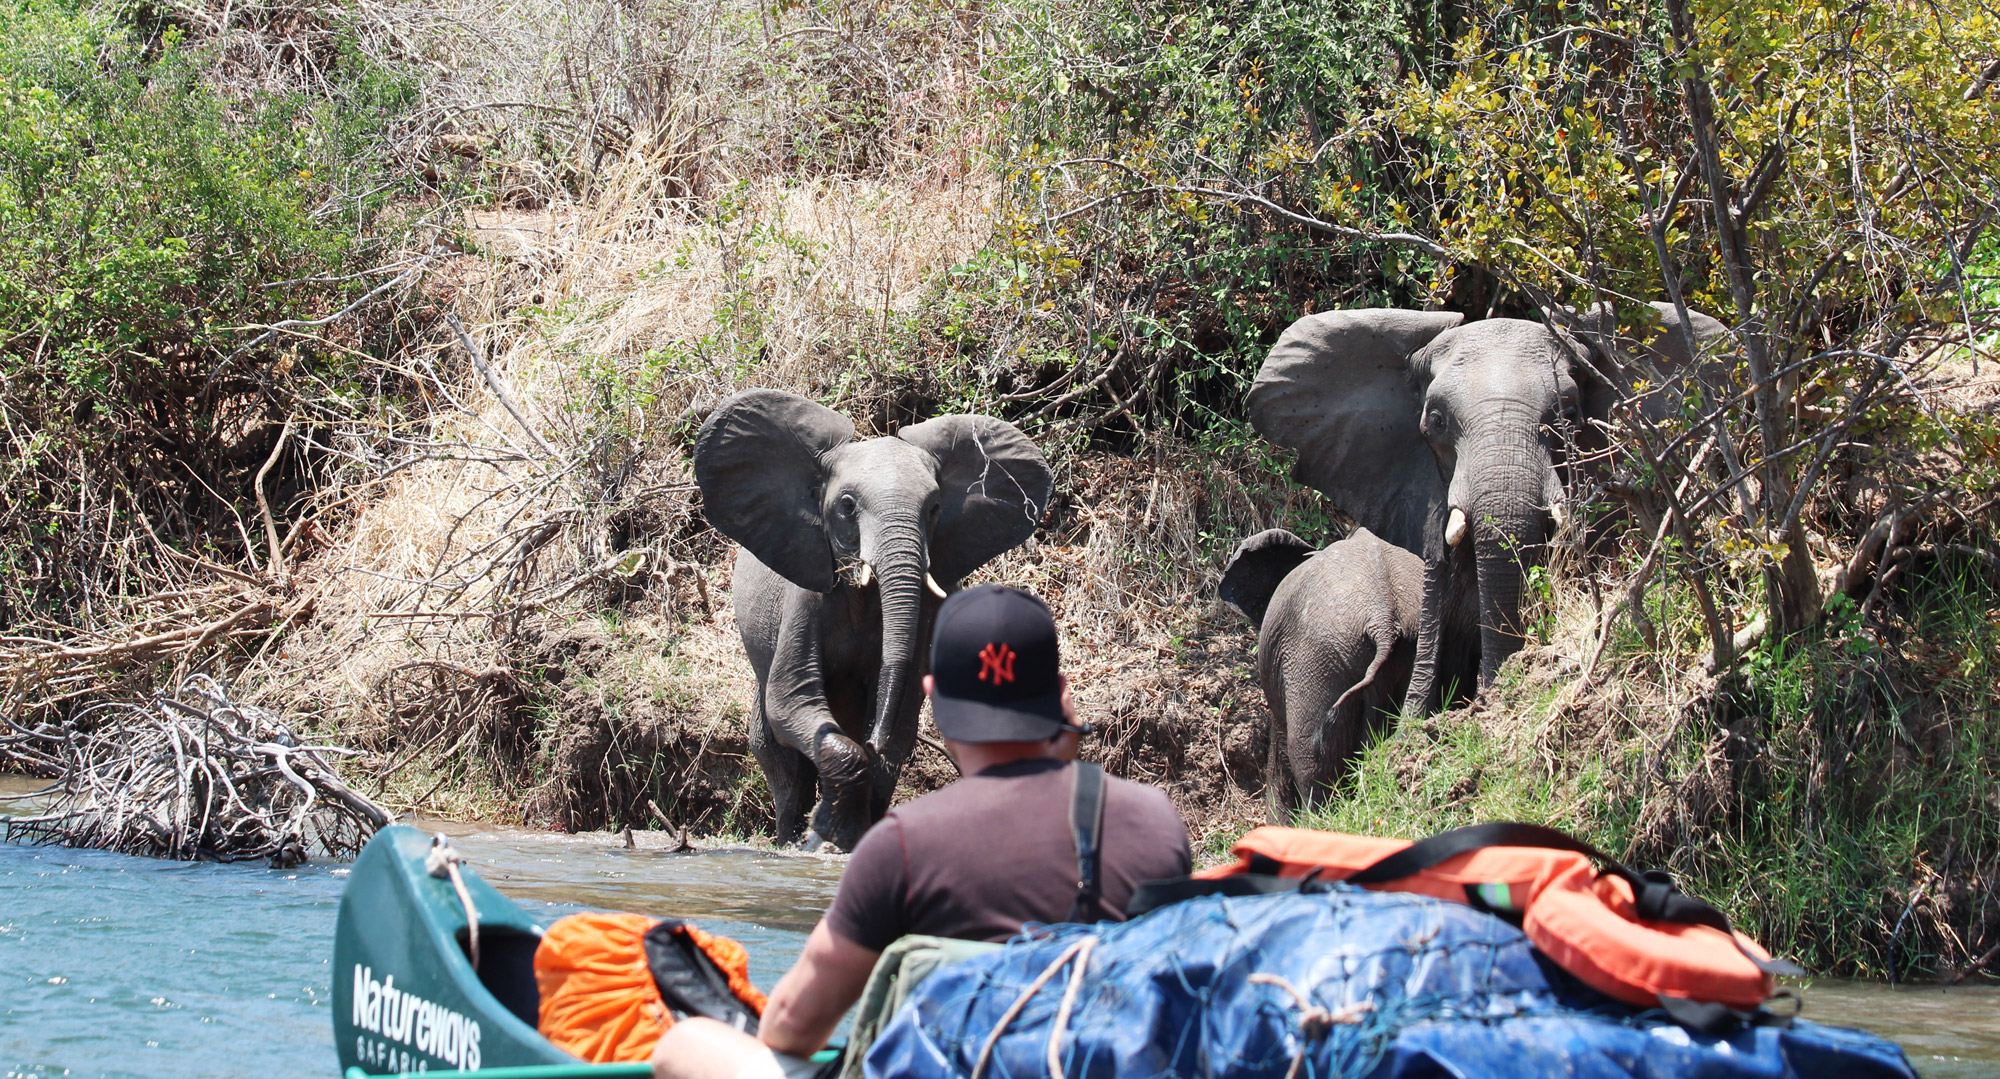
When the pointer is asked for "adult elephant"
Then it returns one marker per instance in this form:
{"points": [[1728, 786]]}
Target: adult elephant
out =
{"points": [[1448, 439], [848, 548]]}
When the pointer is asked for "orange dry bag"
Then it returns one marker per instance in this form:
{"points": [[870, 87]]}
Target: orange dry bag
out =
{"points": [[611, 984], [1633, 936]]}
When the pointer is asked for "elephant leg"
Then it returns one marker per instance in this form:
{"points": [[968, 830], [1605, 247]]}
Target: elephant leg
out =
{"points": [[1364, 705], [1445, 672], [801, 719], [1311, 749], [1355, 716], [1339, 737], [788, 772], [845, 770], [1280, 792], [1423, 688], [1459, 646], [900, 741]]}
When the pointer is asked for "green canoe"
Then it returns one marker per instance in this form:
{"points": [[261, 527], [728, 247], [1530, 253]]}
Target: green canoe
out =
{"points": [[407, 998], [405, 995]]}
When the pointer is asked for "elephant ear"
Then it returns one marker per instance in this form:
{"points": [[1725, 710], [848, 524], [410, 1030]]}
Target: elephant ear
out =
{"points": [[1343, 388], [1255, 570], [1618, 361], [993, 485], [1603, 377], [1670, 348], [759, 461]]}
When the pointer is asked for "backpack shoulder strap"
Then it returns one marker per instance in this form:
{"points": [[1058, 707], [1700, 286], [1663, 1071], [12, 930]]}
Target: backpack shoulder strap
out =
{"points": [[1086, 824]]}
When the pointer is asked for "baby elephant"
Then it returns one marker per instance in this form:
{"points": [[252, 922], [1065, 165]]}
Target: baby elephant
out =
{"points": [[1336, 642]]}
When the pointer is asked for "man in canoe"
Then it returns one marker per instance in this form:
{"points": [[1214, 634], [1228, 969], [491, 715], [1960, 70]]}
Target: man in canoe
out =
{"points": [[974, 861]]}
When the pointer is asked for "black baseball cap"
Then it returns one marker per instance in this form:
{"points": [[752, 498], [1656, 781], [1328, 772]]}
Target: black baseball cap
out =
{"points": [[993, 665]]}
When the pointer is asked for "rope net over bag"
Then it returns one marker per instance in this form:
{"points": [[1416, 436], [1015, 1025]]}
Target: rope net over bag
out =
{"points": [[1344, 982]]}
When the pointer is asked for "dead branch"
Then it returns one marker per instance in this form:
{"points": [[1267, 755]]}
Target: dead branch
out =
{"points": [[195, 775]]}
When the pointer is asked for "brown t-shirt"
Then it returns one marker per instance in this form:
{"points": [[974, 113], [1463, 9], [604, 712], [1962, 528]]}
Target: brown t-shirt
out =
{"points": [[994, 850]]}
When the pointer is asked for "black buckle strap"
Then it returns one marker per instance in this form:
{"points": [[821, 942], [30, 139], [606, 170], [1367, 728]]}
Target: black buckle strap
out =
{"points": [[1654, 893], [688, 979], [1086, 823], [1719, 1020], [1151, 895]]}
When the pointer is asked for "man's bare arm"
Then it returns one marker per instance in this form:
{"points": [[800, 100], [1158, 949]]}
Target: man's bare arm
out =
{"points": [[812, 996]]}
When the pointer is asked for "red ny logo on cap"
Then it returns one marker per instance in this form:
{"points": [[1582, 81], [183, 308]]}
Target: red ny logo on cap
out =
{"points": [[997, 662]]}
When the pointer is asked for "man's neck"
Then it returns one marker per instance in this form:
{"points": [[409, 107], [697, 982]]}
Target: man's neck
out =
{"points": [[976, 757]]}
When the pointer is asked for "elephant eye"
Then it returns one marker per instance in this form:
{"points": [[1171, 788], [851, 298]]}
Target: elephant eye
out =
{"points": [[845, 505], [1433, 424]]}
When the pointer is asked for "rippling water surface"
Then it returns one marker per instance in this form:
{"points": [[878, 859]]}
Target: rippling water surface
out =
{"points": [[1947, 1033], [130, 967]]}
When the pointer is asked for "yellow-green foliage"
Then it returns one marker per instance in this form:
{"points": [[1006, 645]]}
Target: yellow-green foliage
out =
{"points": [[1551, 141]]}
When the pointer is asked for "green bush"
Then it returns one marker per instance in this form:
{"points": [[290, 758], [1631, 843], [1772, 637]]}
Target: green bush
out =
{"points": [[150, 227], [1117, 116], [1840, 806]]}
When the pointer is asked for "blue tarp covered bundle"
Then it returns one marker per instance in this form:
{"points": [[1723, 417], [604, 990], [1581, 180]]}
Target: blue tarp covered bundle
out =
{"points": [[1340, 983]]}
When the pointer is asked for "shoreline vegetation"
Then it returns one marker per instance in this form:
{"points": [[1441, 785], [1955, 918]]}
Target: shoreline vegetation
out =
{"points": [[353, 355]]}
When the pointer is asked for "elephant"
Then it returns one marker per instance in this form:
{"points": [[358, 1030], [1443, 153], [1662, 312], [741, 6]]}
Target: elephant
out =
{"points": [[849, 547], [1336, 642], [1431, 432]]}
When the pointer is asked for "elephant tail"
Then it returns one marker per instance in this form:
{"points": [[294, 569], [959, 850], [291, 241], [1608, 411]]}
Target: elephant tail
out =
{"points": [[1255, 570], [1384, 636]]}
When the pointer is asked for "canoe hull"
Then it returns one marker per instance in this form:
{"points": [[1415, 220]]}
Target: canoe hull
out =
{"points": [[405, 995]]}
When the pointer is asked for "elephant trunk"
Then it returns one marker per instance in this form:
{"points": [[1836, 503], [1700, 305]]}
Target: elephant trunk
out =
{"points": [[1438, 557], [1500, 635], [1508, 524], [900, 568]]}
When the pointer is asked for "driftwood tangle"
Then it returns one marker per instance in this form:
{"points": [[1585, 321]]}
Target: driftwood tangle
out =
{"points": [[194, 775]]}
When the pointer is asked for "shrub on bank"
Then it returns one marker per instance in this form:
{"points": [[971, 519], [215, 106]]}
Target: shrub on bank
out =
{"points": [[1185, 179], [1839, 801], [151, 229], [1122, 286]]}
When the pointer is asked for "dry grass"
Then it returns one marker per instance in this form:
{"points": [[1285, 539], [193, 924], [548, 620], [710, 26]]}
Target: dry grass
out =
{"points": [[433, 566], [516, 606]]}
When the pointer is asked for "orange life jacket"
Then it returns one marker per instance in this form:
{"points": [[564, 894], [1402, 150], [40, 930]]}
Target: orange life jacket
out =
{"points": [[602, 977], [1632, 936]]}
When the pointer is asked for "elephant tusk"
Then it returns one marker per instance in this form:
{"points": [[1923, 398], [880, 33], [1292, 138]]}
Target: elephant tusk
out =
{"points": [[1559, 515], [930, 582], [867, 574], [1454, 529]]}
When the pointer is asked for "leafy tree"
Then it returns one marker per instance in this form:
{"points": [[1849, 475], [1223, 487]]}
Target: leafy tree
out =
{"points": [[1133, 285], [1823, 176], [1815, 174], [152, 233]]}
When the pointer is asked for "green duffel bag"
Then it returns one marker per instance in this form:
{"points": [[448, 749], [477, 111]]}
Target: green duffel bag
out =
{"points": [[903, 964]]}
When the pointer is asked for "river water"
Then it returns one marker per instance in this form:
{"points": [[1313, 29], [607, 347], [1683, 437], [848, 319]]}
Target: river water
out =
{"points": [[113, 966]]}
